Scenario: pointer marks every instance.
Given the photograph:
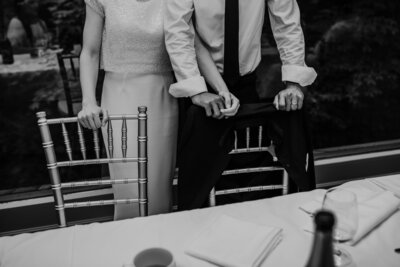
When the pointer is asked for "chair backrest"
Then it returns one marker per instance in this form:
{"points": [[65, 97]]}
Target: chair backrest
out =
{"points": [[249, 147], [66, 78], [69, 71], [54, 166]]}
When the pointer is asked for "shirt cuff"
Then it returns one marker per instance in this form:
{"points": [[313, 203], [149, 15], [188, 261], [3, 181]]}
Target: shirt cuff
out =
{"points": [[188, 87], [302, 75]]}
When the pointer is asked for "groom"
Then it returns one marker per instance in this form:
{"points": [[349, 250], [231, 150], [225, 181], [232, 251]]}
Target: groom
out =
{"points": [[231, 31]]}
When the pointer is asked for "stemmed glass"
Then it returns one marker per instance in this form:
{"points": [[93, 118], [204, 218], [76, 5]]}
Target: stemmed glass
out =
{"points": [[344, 205]]}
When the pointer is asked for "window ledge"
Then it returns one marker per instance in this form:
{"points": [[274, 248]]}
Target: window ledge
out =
{"points": [[341, 151]]}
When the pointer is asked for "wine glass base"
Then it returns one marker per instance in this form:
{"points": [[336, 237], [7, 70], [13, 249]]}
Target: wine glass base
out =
{"points": [[343, 258]]}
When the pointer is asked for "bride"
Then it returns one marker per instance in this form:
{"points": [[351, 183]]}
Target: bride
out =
{"points": [[126, 38]]}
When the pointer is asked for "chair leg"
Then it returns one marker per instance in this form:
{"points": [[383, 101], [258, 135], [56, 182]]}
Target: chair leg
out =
{"points": [[62, 221], [58, 198], [54, 173], [212, 201], [285, 183], [142, 163]]}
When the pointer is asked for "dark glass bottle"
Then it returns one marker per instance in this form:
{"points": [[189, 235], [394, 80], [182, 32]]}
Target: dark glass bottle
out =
{"points": [[322, 250], [6, 52]]}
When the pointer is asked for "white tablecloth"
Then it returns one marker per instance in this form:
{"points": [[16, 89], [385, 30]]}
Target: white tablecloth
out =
{"points": [[24, 63], [115, 243]]}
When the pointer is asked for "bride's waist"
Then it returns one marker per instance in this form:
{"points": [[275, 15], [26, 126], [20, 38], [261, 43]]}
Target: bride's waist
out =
{"points": [[123, 66]]}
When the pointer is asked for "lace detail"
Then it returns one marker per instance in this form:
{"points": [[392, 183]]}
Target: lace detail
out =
{"points": [[133, 37]]}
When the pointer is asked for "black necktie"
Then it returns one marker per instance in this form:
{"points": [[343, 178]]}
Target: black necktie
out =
{"points": [[231, 46]]}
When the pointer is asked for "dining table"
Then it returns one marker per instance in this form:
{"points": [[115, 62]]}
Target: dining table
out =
{"points": [[37, 77], [113, 244]]}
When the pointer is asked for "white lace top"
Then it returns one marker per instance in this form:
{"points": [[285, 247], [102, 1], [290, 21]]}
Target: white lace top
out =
{"points": [[133, 35]]}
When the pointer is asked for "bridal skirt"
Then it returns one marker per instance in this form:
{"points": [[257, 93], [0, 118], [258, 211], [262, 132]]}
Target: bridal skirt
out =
{"points": [[123, 93]]}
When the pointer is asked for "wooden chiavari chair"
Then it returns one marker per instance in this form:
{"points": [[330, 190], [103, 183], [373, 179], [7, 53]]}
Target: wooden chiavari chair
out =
{"points": [[54, 166], [275, 167]]}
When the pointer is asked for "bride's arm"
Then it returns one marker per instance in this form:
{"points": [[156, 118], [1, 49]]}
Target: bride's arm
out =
{"points": [[208, 68], [212, 76], [89, 116]]}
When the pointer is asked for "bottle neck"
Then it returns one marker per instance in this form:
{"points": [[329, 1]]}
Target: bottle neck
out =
{"points": [[322, 250]]}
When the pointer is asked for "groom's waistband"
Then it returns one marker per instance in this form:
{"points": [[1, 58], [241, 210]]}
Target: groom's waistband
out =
{"points": [[245, 79]]}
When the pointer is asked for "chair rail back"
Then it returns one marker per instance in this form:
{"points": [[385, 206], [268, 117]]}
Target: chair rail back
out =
{"points": [[253, 149], [66, 79], [53, 165]]}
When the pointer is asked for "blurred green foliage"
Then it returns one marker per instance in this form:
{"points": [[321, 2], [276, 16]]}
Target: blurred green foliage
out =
{"points": [[353, 45]]}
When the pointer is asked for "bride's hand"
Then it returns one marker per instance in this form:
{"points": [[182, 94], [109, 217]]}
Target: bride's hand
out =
{"points": [[89, 116], [232, 104]]}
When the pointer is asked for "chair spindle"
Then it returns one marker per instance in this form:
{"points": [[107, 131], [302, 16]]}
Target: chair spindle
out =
{"points": [[110, 139], [81, 141], [124, 137], [236, 140], [66, 141], [96, 143], [260, 133]]}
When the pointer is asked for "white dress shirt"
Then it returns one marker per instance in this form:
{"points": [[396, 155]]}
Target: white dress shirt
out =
{"points": [[210, 23]]}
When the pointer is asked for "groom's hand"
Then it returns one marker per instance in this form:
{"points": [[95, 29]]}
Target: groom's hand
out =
{"points": [[211, 103], [290, 99]]}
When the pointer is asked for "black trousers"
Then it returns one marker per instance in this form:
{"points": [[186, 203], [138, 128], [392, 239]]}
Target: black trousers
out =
{"points": [[205, 143]]}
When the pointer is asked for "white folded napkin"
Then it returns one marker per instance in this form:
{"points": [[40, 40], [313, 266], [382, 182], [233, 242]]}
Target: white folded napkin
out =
{"points": [[371, 212], [231, 242], [390, 183]]}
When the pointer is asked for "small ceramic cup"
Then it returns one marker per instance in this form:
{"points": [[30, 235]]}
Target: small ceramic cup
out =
{"points": [[154, 257]]}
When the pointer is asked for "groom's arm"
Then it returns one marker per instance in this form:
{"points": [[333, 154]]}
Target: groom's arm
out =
{"points": [[179, 39]]}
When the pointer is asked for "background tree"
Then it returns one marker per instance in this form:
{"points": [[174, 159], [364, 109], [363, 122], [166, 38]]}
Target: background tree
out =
{"points": [[354, 47]]}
